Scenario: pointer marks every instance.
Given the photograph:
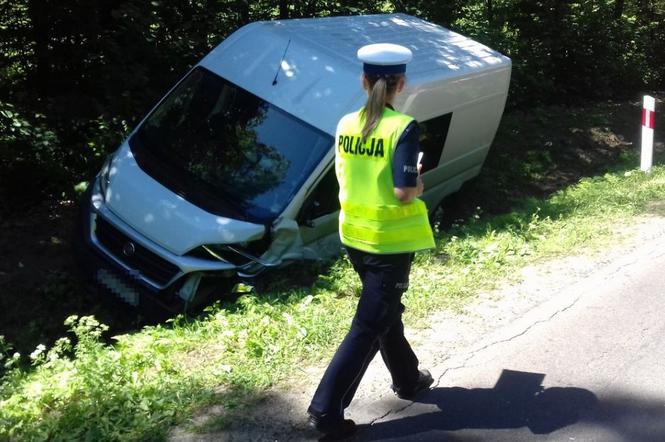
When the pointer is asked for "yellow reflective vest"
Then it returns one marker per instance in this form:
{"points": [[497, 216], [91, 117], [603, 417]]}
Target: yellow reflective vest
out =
{"points": [[372, 219]]}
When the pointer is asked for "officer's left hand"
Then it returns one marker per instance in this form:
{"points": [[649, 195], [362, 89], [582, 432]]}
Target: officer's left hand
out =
{"points": [[419, 181]]}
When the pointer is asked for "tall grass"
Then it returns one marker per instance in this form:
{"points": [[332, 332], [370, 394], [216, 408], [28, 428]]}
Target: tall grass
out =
{"points": [[83, 389]]}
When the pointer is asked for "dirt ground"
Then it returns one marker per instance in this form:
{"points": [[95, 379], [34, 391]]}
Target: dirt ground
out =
{"points": [[535, 153]]}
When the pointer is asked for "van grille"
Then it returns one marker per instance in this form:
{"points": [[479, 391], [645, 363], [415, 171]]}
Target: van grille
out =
{"points": [[146, 262]]}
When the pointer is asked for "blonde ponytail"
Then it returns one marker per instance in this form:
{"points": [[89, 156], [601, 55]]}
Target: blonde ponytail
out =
{"points": [[380, 89]]}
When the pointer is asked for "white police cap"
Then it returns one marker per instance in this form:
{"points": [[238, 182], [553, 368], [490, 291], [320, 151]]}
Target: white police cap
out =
{"points": [[384, 58]]}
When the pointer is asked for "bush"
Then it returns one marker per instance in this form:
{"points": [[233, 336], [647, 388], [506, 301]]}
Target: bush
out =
{"points": [[31, 160]]}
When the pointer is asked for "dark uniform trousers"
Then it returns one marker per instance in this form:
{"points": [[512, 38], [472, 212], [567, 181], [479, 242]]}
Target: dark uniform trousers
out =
{"points": [[376, 326]]}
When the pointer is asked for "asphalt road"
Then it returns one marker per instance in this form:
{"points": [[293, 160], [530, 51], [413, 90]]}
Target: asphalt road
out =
{"points": [[588, 365]]}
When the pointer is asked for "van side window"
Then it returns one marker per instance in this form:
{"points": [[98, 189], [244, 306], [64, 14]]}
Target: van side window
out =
{"points": [[433, 134], [323, 200]]}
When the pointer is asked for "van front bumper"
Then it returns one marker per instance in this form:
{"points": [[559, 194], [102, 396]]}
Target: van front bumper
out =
{"points": [[134, 268]]}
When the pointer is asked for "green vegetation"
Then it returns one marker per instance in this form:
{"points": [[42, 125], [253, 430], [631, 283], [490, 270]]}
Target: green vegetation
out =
{"points": [[155, 378]]}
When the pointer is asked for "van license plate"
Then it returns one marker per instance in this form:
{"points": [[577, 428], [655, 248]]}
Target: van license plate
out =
{"points": [[118, 287]]}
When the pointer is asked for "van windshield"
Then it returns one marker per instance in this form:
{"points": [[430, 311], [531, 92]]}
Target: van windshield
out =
{"points": [[226, 150]]}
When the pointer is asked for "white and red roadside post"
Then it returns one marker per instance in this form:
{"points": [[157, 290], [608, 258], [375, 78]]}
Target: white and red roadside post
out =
{"points": [[648, 118]]}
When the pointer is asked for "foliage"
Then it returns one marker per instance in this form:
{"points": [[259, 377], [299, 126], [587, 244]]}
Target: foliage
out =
{"points": [[90, 391], [570, 51], [28, 149]]}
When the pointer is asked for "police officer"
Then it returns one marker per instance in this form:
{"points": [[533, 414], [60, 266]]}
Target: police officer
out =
{"points": [[382, 223]]}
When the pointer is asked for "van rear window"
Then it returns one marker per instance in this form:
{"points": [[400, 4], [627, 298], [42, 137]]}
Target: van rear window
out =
{"points": [[227, 150]]}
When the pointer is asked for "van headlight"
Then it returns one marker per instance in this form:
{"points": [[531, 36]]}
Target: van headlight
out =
{"points": [[105, 175], [101, 184]]}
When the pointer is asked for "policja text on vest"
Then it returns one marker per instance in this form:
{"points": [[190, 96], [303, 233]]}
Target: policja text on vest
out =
{"points": [[354, 145]]}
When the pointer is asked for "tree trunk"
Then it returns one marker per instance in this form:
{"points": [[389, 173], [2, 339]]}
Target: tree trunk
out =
{"points": [[39, 21], [283, 9], [243, 11], [618, 9]]}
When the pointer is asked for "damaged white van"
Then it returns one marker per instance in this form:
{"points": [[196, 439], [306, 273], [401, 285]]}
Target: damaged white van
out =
{"points": [[232, 171]]}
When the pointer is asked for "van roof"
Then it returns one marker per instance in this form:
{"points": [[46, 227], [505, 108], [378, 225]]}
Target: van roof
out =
{"points": [[315, 64], [434, 47]]}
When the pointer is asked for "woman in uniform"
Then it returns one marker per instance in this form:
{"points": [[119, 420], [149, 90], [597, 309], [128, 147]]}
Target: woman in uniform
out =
{"points": [[382, 223]]}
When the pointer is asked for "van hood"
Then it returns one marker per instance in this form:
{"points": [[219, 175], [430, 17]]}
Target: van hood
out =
{"points": [[165, 217]]}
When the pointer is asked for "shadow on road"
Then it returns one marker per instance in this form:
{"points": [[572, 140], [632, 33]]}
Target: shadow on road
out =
{"points": [[517, 409], [517, 400]]}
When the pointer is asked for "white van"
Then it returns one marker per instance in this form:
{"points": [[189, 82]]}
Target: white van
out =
{"points": [[232, 171]]}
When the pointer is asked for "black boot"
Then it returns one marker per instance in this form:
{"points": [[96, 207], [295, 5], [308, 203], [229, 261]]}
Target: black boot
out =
{"points": [[423, 382], [332, 429]]}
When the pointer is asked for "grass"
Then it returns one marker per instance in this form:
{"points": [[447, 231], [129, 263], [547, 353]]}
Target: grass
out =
{"points": [[148, 381]]}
